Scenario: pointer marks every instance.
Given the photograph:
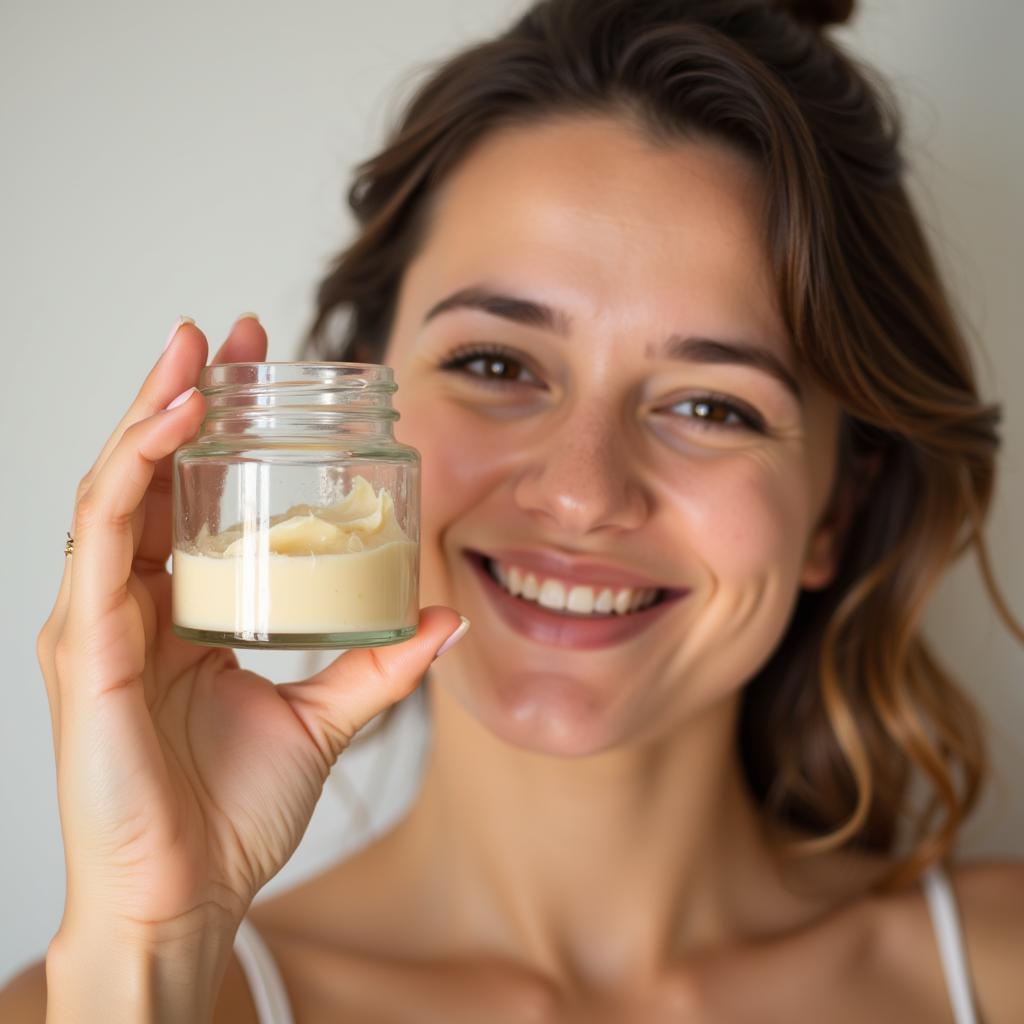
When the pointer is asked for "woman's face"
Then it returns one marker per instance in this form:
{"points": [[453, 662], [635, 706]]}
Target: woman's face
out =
{"points": [[592, 364]]}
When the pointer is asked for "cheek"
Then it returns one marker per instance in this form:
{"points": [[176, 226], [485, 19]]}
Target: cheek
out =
{"points": [[740, 524], [747, 517], [458, 471]]}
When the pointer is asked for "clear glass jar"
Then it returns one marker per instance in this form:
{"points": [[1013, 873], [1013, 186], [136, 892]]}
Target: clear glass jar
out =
{"points": [[296, 512]]}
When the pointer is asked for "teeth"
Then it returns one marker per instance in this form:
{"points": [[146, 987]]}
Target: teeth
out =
{"points": [[582, 600], [552, 595], [515, 580]]}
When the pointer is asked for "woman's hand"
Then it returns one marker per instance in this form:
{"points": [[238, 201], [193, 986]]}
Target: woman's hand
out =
{"points": [[184, 781]]}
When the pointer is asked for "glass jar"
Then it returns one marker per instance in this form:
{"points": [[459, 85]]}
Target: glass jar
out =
{"points": [[296, 512]]}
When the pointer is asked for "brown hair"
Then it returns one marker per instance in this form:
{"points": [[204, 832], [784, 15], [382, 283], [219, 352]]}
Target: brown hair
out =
{"points": [[852, 704]]}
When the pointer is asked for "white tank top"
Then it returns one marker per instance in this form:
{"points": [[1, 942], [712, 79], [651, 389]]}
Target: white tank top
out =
{"points": [[272, 1006], [265, 984]]}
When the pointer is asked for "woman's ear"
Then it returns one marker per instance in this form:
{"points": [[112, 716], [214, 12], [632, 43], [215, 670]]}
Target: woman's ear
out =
{"points": [[826, 544]]}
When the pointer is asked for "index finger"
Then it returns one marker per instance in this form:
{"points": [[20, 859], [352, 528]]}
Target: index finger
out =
{"points": [[247, 341], [101, 613], [176, 369]]}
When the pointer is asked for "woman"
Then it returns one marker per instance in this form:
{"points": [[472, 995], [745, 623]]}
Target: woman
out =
{"points": [[669, 339]]}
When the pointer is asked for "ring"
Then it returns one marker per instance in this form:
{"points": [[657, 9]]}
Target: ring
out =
{"points": [[69, 545]]}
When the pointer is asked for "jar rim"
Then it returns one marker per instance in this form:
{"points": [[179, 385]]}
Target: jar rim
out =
{"points": [[300, 362], [339, 374]]}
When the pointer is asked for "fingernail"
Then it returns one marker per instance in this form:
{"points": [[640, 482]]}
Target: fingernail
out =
{"points": [[174, 330], [181, 399], [460, 632], [247, 316]]}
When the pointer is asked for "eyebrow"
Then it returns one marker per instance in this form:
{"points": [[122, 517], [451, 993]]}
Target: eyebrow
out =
{"points": [[692, 348], [520, 311], [710, 350]]}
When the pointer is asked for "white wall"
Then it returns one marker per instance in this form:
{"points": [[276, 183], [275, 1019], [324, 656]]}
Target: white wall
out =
{"points": [[191, 158]]}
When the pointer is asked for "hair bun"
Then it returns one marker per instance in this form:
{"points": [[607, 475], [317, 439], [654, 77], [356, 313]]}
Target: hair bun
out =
{"points": [[818, 13]]}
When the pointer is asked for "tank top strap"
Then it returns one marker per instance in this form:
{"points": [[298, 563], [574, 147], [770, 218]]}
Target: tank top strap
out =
{"points": [[941, 900], [265, 983]]}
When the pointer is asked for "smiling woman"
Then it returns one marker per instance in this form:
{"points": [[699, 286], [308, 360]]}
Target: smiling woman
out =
{"points": [[700, 429], [699, 437], [707, 207]]}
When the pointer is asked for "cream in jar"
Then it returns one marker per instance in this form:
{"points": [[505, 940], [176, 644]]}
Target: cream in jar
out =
{"points": [[339, 569]]}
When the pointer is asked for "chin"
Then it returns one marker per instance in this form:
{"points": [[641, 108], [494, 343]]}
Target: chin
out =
{"points": [[546, 713]]}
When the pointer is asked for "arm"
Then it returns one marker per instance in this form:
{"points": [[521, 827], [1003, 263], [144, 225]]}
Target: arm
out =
{"points": [[171, 976], [24, 999]]}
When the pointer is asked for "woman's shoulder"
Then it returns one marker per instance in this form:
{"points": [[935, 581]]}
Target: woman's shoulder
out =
{"points": [[23, 997], [989, 904], [990, 898], [876, 951]]}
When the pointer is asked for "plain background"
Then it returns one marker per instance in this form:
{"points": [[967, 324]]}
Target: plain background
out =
{"points": [[192, 158]]}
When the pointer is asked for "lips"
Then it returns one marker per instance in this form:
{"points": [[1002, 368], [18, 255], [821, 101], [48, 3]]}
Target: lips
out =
{"points": [[561, 629]]}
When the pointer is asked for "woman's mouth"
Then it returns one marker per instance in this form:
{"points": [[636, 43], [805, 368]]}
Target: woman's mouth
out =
{"points": [[575, 598], [568, 613]]}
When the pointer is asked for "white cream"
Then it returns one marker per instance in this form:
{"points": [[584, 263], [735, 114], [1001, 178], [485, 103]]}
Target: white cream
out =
{"points": [[345, 568]]}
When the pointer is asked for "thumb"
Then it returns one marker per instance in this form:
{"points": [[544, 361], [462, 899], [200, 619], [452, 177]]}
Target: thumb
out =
{"points": [[340, 699]]}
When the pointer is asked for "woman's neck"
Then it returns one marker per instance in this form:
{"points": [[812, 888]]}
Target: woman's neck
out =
{"points": [[596, 870]]}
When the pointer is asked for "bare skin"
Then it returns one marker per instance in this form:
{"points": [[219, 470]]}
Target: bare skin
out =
{"points": [[583, 847]]}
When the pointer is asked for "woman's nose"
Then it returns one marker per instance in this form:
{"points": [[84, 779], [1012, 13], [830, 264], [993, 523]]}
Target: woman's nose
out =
{"points": [[581, 476]]}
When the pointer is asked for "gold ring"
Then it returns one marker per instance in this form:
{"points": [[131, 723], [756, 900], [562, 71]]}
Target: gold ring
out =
{"points": [[69, 545]]}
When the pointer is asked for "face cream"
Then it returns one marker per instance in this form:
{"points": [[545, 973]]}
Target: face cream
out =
{"points": [[322, 505]]}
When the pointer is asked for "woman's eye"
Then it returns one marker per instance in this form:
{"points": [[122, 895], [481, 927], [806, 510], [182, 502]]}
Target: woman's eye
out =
{"points": [[710, 413], [492, 366]]}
